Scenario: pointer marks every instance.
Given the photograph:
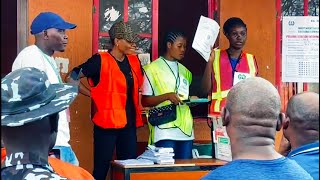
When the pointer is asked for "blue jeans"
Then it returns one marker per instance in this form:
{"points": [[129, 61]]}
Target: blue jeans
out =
{"points": [[67, 155], [182, 149]]}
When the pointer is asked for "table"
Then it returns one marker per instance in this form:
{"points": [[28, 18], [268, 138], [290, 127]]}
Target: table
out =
{"points": [[182, 169]]}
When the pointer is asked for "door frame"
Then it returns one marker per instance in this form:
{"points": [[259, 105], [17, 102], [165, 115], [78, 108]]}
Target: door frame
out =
{"points": [[22, 24]]}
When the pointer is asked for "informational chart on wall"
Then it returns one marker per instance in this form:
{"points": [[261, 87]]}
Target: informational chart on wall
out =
{"points": [[300, 49]]}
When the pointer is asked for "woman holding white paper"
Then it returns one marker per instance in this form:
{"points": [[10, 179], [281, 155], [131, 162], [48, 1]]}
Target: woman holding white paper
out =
{"points": [[167, 82], [227, 67]]}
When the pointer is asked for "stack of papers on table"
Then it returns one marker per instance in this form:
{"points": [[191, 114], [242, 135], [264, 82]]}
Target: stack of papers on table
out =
{"points": [[134, 162], [159, 155], [160, 149]]}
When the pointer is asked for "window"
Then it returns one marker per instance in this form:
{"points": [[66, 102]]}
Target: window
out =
{"points": [[138, 13]]}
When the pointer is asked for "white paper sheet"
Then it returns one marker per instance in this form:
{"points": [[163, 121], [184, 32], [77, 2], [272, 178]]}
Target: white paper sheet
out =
{"points": [[205, 37]]}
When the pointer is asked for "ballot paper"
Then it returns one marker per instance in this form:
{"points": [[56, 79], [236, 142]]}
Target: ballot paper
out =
{"points": [[205, 37]]}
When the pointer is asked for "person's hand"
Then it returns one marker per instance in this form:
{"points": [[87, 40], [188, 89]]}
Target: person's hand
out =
{"points": [[73, 82], [211, 58], [194, 97], [193, 104], [174, 98]]}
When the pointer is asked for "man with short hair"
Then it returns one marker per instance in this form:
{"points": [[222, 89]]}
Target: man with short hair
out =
{"points": [[301, 128], [30, 107], [252, 116], [49, 30]]}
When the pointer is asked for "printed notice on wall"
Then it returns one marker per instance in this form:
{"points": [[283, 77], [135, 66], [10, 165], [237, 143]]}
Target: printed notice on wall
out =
{"points": [[300, 49]]}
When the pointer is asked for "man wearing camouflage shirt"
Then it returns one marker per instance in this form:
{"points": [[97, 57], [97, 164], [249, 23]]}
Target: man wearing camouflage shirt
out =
{"points": [[29, 122]]}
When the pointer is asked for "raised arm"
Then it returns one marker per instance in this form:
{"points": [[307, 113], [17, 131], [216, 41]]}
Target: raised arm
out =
{"points": [[206, 82]]}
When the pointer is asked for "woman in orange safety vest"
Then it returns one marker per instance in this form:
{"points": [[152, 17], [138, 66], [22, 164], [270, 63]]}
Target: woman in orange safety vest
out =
{"points": [[115, 78]]}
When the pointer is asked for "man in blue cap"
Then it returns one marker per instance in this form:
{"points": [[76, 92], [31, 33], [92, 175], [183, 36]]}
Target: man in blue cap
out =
{"points": [[49, 30]]}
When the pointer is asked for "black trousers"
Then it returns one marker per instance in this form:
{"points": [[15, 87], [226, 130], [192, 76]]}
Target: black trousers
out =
{"points": [[105, 140]]}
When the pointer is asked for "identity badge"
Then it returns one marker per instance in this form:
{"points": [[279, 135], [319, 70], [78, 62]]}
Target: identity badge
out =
{"points": [[239, 76]]}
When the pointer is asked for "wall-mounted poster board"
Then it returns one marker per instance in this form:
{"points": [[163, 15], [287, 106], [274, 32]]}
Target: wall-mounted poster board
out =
{"points": [[300, 49]]}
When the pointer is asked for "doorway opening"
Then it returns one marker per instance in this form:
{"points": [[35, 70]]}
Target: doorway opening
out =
{"points": [[184, 16]]}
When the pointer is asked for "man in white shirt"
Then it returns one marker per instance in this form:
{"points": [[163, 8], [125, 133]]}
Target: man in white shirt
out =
{"points": [[49, 31]]}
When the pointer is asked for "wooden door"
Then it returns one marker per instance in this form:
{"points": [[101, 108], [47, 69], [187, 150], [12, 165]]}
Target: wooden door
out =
{"points": [[260, 18], [78, 50]]}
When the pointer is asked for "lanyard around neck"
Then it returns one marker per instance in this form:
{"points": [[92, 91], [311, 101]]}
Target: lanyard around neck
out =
{"points": [[238, 60], [53, 67], [234, 69], [176, 78]]}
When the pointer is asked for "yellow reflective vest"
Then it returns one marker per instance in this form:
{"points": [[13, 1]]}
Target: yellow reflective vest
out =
{"points": [[223, 76], [162, 80]]}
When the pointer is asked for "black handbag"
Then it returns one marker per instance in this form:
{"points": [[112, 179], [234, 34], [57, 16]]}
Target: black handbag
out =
{"points": [[162, 115]]}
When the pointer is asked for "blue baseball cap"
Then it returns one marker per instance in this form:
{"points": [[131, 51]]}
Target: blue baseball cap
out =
{"points": [[47, 20]]}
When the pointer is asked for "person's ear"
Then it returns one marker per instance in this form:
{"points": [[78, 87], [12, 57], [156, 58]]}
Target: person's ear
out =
{"points": [[280, 121], [225, 116], [169, 44], [45, 34], [116, 41], [286, 122]]}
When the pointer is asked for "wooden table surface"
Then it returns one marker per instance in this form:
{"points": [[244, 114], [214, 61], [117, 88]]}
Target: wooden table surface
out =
{"points": [[178, 162], [190, 169]]}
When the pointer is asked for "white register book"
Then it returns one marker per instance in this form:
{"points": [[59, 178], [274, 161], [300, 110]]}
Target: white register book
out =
{"points": [[205, 37]]}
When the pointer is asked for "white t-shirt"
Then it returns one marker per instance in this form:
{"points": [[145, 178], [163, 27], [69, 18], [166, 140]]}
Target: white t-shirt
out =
{"points": [[170, 133], [32, 56]]}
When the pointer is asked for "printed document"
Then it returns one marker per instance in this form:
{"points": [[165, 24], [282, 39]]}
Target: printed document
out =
{"points": [[300, 49], [205, 37]]}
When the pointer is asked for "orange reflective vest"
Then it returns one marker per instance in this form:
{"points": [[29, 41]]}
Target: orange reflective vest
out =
{"points": [[110, 94], [68, 170], [223, 76]]}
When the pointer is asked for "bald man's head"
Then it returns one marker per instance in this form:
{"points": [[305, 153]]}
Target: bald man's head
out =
{"points": [[303, 111], [254, 97], [253, 106]]}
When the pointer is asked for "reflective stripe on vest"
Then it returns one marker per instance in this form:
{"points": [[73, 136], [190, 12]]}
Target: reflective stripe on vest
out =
{"points": [[252, 68], [219, 95]]}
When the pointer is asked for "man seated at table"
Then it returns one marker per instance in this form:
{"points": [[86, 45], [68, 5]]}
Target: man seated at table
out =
{"points": [[252, 116]]}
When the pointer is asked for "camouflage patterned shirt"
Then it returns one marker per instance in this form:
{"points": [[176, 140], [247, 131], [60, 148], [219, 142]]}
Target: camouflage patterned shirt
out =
{"points": [[27, 166]]}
